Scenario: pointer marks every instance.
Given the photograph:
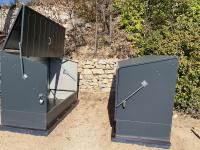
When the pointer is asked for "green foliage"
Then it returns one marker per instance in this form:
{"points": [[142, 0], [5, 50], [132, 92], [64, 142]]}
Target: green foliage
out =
{"points": [[188, 91], [132, 12], [168, 27]]}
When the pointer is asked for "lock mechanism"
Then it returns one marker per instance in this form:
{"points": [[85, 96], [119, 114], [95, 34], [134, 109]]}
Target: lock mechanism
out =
{"points": [[42, 98]]}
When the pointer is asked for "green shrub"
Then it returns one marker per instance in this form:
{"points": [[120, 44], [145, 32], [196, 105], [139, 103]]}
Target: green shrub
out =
{"points": [[170, 27], [188, 91]]}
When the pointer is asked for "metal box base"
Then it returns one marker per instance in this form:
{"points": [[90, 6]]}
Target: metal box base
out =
{"points": [[142, 141], [57, 112]]}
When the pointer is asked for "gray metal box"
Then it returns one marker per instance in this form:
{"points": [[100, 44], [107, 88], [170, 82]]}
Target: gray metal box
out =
{"points": [[145, 89], [37, 101], [37, 84]]}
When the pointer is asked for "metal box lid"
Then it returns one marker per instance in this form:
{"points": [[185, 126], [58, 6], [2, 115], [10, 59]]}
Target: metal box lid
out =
{"points": [[144, 60], [35, 35]]}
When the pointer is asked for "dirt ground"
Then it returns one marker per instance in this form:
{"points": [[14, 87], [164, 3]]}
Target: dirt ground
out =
{"points": [[87, 127]]}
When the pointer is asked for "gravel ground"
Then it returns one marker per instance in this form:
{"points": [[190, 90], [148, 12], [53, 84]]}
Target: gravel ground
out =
{"points": [[87, 127]]}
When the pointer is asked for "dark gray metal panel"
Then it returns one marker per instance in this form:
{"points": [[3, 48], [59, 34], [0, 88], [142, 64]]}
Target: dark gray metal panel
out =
{"points": [[63, 78], [154, 100], [144, 60], [152, 104], [22, 119], [139, 129], [20, 97], [158, 143], [19, 94], [58, 107], [41, 36]]}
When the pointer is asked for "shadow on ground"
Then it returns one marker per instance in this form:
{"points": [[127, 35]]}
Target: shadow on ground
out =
{"points": [[111, 106]]}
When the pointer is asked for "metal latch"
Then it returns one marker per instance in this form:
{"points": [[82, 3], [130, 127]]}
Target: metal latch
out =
{"points": [[42, 98], [123, 102]]}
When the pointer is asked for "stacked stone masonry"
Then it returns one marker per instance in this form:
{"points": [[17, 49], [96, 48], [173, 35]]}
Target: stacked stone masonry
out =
{"points": [[97, 75]]}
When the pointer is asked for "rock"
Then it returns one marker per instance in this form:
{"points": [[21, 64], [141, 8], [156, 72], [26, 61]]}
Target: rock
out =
{"points": [[88, 63], [64, 16], [109, 71], [97, 75], [94, 60], [81, 76], [101, 86], [94, 84], [68, 26], [109, 85], [87, 66], [175, 116], [88, 25], [105, 81], [109, 66], [103, 76], [78, 22], [110, 76], [99, 66], [102, 62], [87, 71], [98, 71], [88, 76], [105, 89]]}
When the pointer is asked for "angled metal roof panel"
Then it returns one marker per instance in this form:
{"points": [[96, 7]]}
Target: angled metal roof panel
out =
{"points": [[39, 36], [144, 60]]}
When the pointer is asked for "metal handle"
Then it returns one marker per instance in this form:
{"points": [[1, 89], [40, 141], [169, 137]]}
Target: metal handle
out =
{"points": [[24, 75], [123, 102], [49, 43]]}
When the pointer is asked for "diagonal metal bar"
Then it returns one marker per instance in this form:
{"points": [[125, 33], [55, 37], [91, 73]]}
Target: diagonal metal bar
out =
{"points": [[24, 76], [65, 71], [123, 102]]}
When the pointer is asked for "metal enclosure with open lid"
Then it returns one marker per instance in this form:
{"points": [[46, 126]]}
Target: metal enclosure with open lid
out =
{"points": [[35, 35], [37, 83], [145, 92]]}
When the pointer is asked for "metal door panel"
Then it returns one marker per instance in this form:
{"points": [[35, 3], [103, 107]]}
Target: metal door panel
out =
{"points": [[23, 94], [63, 78], [153, 103]]}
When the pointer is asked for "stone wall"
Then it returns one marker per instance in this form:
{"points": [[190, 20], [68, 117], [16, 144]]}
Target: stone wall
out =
{"points": [[97, 75]]}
